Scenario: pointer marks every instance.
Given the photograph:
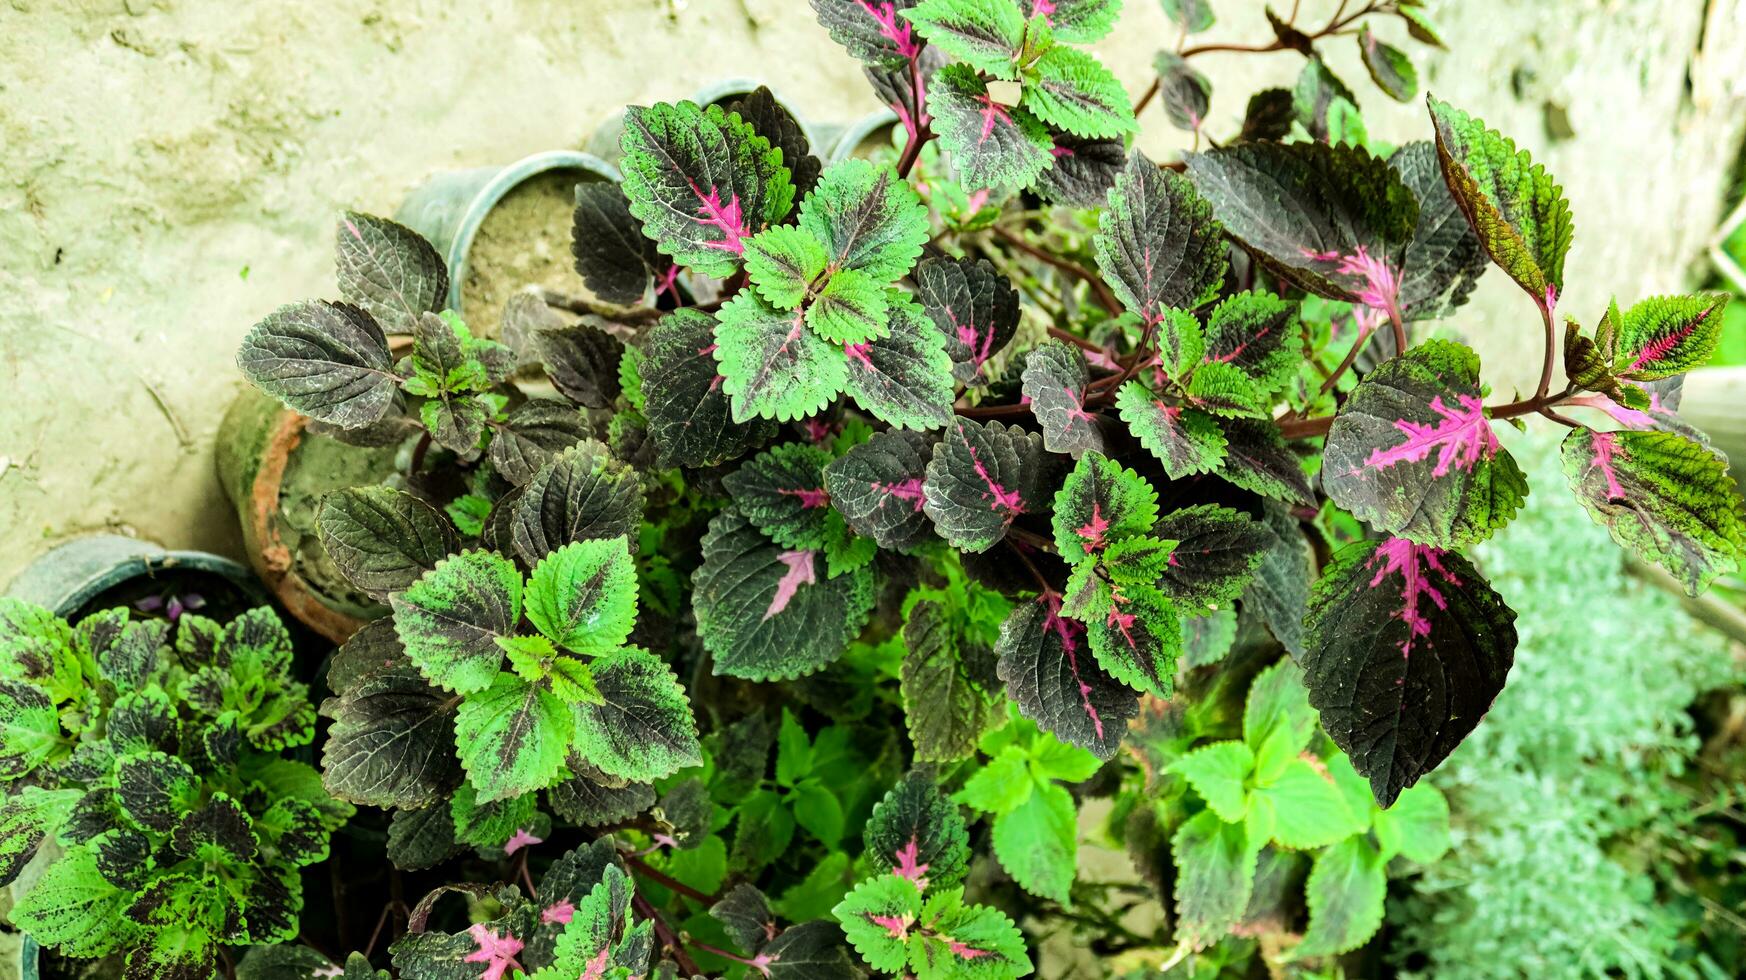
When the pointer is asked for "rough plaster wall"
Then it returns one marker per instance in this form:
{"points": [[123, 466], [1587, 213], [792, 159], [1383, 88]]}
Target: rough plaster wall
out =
{"points": [[155, 149]]}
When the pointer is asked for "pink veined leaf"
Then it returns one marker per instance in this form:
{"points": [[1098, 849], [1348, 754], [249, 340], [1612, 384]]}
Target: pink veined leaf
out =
{"points": [[727, 217], [992, 113], [897, 927], [1003, 499], [910, 490], [520, 839], [1381, 282], [595, 968], [559, 913], [1069, 633], [495, 951], [1605, 446], [800, 572], [909, 864], [1414, 563], [1461, 439], [819, 431], [811, 499], [963, 950], [899, 32], [858, 352], [1662, 346], [1092, 531], [762, 962]]}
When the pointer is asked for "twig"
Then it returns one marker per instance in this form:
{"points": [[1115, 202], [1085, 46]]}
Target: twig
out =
{"points": [[667, 937], [1551, 346], [672, 884], [1105, 297]]}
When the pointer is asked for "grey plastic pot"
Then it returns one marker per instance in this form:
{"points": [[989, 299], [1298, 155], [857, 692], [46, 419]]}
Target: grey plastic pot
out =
{"points": [[69, 576], [604, 142], [449, 208], [869, 130]]}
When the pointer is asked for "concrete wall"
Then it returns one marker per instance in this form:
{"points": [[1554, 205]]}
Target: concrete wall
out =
{"points": [[171, 169]]}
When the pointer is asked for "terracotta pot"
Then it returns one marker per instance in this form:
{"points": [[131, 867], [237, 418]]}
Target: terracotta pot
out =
{"points": [[259, 442]]}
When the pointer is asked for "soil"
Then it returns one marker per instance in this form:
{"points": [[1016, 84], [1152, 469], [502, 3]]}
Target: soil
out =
{"points": [[318, 466], [524, 241]]}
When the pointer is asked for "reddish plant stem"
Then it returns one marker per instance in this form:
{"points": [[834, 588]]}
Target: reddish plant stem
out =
{"points": [[672, 884], [667, 937], [1551, 347], [1105, 296], [1335, 24], [1031, 538], [923, 132], [992, 411], [1075, 340], [1400, 336], [704, 947]]}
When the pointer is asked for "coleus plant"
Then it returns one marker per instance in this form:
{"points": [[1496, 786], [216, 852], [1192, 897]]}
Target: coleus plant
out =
{"points": [[990, 439], [147, 761]]}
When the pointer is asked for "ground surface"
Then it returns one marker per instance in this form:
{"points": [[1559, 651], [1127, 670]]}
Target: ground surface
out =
{"points": [[172, 168]]}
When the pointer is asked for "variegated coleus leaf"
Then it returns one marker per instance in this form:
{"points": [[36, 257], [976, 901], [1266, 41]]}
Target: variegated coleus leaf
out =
{"points": [[389, 270], [772, 366], [769, 119], [1320, 101], [782, 491], [1132, 627], [1084, 170], [992, 145], [1074, 21], [1054, 381], [1158, 245], [1515, 206], [1665, 335], [904, 379], [512, 736], [1185, 439], [767, 613], [1251, 354], [616, 261], [1216, 554], [1406, 646], [874, 31], [382, 539], [581, 361], [868, 218], [1050, 671], [975, 306], [701, 181], [641, 728], [1445, 259], [987, 35], [981, 478], [580, 494], [450, 620], [1664, 497], [689, 413], [1183, 91], [392, 740], [1072, 91], [1412, 452], [945, 708], [1258, 459], [1332, 220], [917, 833], [329, 361], [877, 487], [1099, 504], [1389, 67], [1193, 16], [27, 816]]}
